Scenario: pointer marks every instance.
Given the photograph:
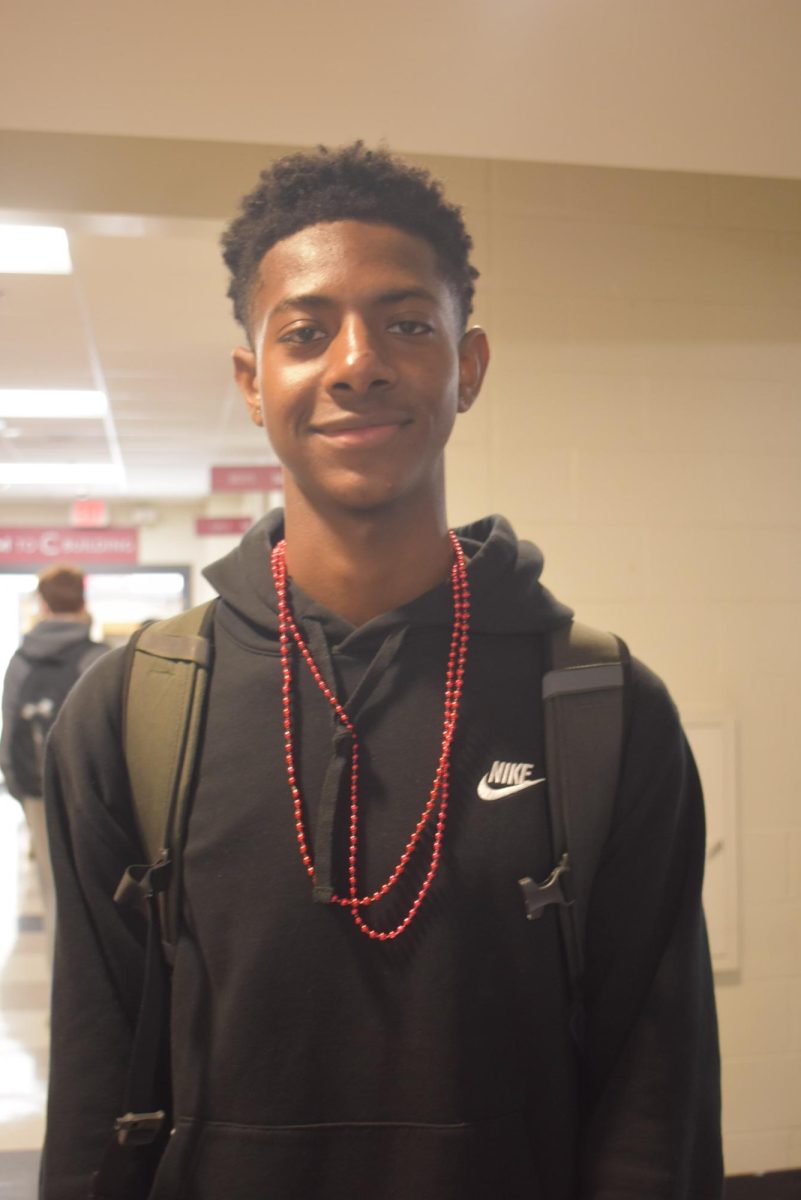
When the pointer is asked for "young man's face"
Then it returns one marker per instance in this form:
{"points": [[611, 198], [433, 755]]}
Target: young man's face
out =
{"points": [[359, 367]]}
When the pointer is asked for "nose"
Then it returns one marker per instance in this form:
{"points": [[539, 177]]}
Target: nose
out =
{"points": [[357, 364]]}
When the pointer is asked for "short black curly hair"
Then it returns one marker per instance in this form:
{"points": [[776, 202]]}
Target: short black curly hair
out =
{"points": [[351, 183]]}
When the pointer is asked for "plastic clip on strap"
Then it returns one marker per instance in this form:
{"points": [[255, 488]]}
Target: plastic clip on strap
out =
{"points": [[555, 890], [141, 881], [139, 1129]]}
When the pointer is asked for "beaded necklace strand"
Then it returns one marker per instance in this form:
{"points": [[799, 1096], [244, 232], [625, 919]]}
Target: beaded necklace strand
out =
{"points": [[438, 796]]}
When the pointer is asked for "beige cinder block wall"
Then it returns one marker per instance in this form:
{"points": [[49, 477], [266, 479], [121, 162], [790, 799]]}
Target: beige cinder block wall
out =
{"points": [[642, 423]]}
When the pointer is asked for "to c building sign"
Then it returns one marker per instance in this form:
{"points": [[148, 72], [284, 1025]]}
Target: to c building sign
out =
{"points": [[35, 544]]}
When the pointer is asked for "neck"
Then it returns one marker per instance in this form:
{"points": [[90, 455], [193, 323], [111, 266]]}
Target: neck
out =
{"points": [[360, 566], [47, 615]]}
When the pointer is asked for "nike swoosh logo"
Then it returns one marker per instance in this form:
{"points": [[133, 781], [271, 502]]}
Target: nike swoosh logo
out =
{"points": [[487, 792]]}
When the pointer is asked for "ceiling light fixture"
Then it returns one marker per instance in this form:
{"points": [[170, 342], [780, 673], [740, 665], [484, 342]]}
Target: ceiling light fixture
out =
{"points": [[48, 403], [34, 250], [88, 475]]}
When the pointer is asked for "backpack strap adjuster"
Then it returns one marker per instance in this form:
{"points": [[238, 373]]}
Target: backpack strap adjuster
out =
{"points": [[141, 881], [139, 1129], [556, 889]]}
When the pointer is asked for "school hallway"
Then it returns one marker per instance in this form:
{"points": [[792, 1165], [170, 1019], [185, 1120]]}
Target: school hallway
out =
{"points": [[24, 1002]]}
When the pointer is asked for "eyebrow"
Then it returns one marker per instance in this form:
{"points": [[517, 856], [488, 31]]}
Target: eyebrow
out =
{"points": [[314, 300]]}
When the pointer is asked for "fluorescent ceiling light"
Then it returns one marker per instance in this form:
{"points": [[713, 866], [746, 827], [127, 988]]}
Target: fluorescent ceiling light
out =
{"points": [[61, 474], [51, 402], [144, 583], [34, 250]]}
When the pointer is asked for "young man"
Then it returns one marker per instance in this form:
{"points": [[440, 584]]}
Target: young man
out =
{"points": [[48, 662], [359, 1006]]}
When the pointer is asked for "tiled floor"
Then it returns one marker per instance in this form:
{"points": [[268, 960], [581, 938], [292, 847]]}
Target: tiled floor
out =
{"points": [[24, 997]]}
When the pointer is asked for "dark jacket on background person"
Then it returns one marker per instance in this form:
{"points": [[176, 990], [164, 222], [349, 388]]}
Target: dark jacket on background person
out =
{"points": [[49, 638], [310, 1062]]}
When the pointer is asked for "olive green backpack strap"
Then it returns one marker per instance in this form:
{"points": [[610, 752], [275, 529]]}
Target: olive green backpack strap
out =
{"points": [[169, 666], [584, 704]]}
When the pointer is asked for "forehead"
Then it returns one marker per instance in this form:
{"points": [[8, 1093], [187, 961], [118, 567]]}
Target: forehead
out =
{"points": [[347, 259]]}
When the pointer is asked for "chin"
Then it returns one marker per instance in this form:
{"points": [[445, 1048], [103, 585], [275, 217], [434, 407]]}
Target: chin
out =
{"points": [[369, 501], [355, 494], [364, 492]]}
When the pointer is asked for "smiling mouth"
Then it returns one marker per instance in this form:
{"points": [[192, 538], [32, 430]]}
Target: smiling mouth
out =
{"points": [[356, 436]]}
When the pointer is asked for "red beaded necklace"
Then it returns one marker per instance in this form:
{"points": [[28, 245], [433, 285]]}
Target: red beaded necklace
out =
{"points": [[438, 796]]}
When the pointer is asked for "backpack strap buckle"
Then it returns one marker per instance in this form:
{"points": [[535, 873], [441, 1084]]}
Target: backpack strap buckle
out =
{"points": [[139, 1129], [556, 889], [141, 881]]}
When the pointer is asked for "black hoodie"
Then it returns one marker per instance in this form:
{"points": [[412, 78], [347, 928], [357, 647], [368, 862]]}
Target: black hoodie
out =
{"points": [[309, 1061]]}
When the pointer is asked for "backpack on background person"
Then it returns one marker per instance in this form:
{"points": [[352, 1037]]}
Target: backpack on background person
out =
{"points": [[43, 691], [41, 672], [50, 658]]}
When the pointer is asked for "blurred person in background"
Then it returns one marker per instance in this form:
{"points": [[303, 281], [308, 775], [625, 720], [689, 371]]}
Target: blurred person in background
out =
{"points": [[50, 659]]}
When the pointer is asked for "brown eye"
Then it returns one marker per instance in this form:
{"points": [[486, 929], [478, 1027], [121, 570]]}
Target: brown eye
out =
{"points": [[302, 335], [411, 328]]}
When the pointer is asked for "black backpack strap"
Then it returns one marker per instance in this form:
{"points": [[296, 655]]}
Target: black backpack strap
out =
{"points": [[164, 705], [583, 698]]}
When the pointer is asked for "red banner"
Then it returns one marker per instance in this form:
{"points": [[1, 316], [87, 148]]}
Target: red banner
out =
{"points": [[36, 544], [212, 526], [89, 514], [246, 479]]}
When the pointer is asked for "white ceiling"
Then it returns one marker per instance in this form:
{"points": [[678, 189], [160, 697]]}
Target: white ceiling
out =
{"points": [[144, 319], [708, 85], [698, 85]]}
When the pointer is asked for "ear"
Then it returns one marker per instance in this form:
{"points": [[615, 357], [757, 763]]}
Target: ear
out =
{"points": [[246, 376], [474, 356]]}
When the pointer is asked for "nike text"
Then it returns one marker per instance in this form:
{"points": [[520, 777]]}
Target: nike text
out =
{"points": [[505, 778]]}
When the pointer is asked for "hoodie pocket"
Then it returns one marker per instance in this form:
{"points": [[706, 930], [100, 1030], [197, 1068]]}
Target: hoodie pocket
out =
{"points": [[487, 1160]]}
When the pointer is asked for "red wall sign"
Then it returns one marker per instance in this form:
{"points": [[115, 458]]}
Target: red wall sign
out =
{"points": [[210, 526], [34, 544], [89, 514], [246, 479]]}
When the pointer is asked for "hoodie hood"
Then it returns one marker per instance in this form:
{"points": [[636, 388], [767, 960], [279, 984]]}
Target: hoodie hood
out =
{"points": [[504, 575], [50, 637]]}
